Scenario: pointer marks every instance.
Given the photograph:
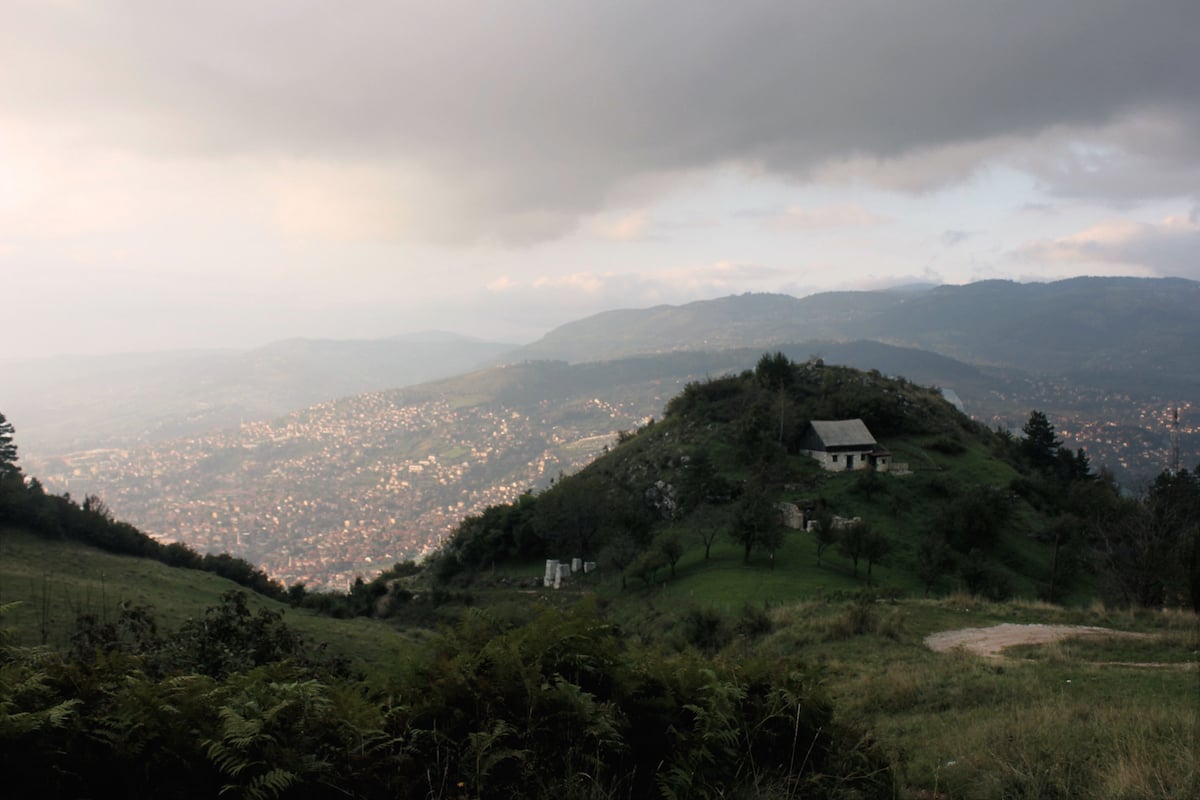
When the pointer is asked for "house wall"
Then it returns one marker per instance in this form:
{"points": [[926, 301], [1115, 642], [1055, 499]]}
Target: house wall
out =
{"points": [[836, 462]]}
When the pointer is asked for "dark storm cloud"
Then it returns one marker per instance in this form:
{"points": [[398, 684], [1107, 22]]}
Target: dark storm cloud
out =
{"points": [[525, 115]]}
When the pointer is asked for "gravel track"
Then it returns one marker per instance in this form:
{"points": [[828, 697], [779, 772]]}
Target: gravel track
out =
{"points": [[991, 641]]}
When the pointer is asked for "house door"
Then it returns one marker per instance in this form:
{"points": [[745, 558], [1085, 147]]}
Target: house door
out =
{"points": [[849, 460]]}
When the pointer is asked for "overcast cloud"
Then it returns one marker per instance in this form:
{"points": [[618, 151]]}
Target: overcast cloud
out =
{"points": [[424, 154]]}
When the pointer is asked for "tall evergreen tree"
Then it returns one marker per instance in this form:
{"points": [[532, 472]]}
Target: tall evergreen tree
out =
{"points": [[1040, 445], [774, 371], [8, 448]]}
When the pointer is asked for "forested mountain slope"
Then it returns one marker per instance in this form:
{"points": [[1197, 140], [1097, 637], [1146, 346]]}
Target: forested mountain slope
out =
{"points": [[1089, 326]]}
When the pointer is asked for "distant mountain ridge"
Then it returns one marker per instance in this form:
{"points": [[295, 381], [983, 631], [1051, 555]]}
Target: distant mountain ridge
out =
{"points": [[1147, 326], [1080, 323]]}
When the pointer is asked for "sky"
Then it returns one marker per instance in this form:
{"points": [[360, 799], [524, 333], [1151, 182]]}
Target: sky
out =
{"points": [[230, 173]]}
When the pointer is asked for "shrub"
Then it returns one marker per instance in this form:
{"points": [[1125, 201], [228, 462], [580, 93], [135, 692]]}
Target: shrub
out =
{"points": [[948, 445], [705, 629], [753, 622], [983, 578], [859, 618]]}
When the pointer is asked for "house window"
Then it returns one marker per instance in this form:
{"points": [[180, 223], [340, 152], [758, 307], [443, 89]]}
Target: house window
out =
{"points": [[835, 458]]}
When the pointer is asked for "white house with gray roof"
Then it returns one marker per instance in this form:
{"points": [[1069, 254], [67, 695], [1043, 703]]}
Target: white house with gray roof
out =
{"points": [[844, 444]]}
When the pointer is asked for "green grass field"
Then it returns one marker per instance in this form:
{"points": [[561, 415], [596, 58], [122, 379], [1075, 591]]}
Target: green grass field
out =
{"points": [[52, 583]]}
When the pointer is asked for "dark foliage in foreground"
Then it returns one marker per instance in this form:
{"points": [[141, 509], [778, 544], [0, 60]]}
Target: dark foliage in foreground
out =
{"points": [[561, 706]]}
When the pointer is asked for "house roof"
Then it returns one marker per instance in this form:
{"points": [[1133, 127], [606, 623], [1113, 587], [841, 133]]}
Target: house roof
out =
{"points": [[843, 433]]}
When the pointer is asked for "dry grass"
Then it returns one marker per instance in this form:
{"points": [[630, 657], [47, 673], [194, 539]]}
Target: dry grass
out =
{"points": [[1069, 748], [1037, 606], [1068, 725]]}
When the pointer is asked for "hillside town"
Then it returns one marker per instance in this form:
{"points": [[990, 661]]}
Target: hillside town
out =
{"points": [[344, 488], [1134, 441]]}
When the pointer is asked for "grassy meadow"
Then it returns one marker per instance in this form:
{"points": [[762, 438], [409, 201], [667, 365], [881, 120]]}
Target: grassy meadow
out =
{"points": [[50, 583], [1085, 717], [1095, 717]]}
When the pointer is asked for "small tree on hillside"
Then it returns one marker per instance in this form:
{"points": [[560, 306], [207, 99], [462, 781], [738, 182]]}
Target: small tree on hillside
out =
{"points": [[756, 523], [670, 545], [876, 546], [97, 506], [619, 553], [934, 559], [852, 543], [709, 522], [973, 519], [825, 532]]}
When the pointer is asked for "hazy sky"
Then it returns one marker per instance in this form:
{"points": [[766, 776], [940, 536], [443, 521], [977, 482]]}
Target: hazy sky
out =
{"points": [[231, 172]]}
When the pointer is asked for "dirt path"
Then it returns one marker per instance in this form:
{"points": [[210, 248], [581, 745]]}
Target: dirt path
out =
{"points": [[991, 641]]}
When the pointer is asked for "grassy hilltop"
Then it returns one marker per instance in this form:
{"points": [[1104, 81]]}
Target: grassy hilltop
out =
{"points": [[969, 509]]}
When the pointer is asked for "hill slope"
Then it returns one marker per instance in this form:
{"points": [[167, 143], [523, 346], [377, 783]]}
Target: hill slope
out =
{"points": [[53, 582], [961, 506]]}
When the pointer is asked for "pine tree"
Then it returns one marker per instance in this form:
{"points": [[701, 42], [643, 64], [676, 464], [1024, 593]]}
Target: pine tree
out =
{"points": [[1040, 445], [8, 448]]}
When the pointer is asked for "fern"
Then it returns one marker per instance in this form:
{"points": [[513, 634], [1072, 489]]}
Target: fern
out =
{"points": [[487, 751], [709, 744], [272, 736], [270, 784]]}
